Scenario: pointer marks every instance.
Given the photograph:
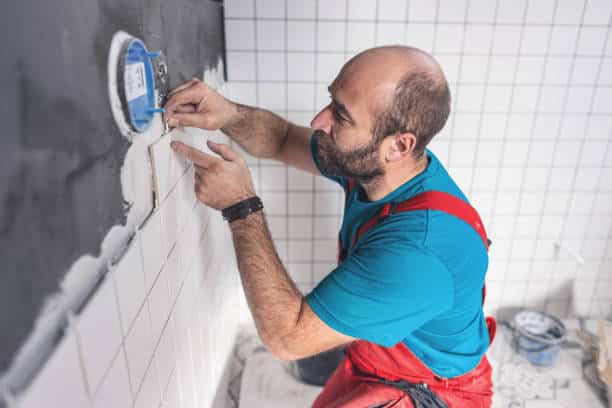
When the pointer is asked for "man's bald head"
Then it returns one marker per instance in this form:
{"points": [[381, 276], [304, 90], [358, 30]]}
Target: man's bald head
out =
{"points": [[406, 91]]}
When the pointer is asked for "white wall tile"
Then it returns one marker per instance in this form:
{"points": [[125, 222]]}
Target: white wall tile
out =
{"points": [[453, 11], [362, 10], [478, 39], [271, 66], [331, 10], [563, 40], [130, 282], [139, 347], [115, 389], [511, 11], [300, 66], [331, 36], [60, 381], [301, 9], [241, 66], [270, 9], [99, 333], [506, 39], [240, 35], [449, 38], [149, 394], [239, 8], [271, 35], [598, 12], [569, 11], [300, 96], [591, 40], [300, 35], [422, 10], [388, 33], [420, 35]]}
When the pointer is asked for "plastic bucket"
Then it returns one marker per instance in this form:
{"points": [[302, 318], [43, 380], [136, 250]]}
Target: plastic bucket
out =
{"points": [[538, 336]]}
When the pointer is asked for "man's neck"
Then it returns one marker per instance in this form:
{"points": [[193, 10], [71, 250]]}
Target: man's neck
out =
{"points": [[391, 180]]}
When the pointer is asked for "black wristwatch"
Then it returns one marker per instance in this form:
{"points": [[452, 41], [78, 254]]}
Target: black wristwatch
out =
{"points": [[242, 209]]}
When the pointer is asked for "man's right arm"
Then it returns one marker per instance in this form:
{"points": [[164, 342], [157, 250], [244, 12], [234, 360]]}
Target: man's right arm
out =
{"points": [[259, 132], [266, 135]]}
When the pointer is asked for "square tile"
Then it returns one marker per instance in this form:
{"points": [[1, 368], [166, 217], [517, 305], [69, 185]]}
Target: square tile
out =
{"points": [[271, 35], [331, 36], [422, 10], [569, 11], [270, 9], [139, 347], [300, 96], [272, 96], [551, 99], [115, 389], [300, 203], [591, 40], [100, 315], [239, 35], [388, 33], [301, 9], [300, 66], [335, 10], [241, 66], [390, 10], [453, 11], [60, 381], [328, 65], [300, 35], [535, 40], [449, 38], [511, 12], [598, 12], [239, 8], [271, 66], [362, 10], [506, 39], [563, 40], [530, 70], [540, 12], [478, 39], [420, 35], [129, 278]]}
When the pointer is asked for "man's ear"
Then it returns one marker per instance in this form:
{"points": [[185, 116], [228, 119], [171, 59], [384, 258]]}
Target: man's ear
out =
{"points": [[402, 144]]}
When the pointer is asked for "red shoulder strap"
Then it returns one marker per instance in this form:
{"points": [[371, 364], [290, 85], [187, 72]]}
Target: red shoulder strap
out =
{"points": [[431, 200]]}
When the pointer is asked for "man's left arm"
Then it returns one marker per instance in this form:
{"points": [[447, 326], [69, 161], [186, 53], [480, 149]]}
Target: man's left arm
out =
{"points": [[285, 322]]}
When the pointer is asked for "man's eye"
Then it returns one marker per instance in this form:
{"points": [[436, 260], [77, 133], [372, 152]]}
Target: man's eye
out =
{"points": [[338, 117]]}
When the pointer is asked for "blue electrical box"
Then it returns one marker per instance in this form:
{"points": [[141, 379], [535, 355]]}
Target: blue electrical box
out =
{"points": [[139, 85]]}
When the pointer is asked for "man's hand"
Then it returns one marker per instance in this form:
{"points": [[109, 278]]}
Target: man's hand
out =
{"points": [[220, 182], [195, 104]]}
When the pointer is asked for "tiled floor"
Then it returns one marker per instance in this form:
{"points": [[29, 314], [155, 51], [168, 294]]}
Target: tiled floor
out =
{"points": [[517, 384]]}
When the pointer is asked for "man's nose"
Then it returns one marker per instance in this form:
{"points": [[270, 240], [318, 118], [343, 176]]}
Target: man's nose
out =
{"points": [[322, 121]]}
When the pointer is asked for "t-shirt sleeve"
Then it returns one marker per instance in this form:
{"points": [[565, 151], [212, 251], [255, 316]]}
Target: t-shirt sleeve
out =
{"points": [[383, 291], [314, 149]]}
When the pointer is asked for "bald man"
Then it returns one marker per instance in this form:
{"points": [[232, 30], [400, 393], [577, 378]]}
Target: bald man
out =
{"points": [[406, 296]]}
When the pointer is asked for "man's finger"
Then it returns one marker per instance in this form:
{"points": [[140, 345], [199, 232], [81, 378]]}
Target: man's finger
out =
{"points": [[185, 119], [189, 96], [194, 155], [223, 150]]}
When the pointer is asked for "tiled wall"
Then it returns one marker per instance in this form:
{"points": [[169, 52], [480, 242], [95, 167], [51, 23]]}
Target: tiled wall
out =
{"points": [[160, 328], [528, 140]]}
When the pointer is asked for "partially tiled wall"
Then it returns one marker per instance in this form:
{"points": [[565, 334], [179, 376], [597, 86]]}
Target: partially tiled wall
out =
{"points": [[529, 139], [160, 328]]}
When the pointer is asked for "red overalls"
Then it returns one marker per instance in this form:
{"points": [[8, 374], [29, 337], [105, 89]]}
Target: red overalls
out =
{"points": [[369, 374]]}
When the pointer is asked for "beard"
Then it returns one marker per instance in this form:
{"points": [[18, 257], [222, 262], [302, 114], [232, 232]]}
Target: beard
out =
{"points": [[360, 164]]}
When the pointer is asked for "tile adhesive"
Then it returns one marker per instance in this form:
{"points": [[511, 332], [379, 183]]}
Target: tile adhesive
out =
{"points": [[137, 87]]}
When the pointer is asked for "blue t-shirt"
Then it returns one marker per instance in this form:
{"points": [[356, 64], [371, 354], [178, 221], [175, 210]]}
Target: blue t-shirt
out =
{"points": [[415, 277]]}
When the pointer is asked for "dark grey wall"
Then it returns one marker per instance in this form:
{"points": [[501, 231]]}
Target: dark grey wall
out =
{"points": [[60, 150]]}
